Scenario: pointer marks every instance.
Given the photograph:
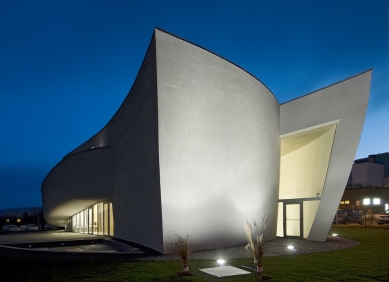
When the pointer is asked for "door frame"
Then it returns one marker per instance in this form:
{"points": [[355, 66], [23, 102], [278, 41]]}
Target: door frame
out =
{"points": [[299, 201]]}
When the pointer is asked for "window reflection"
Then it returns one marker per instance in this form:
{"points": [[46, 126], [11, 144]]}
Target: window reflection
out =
{"points": [[96, 219]]}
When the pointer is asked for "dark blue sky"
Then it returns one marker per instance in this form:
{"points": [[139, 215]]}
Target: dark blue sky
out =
{"points": [[66, 66]]}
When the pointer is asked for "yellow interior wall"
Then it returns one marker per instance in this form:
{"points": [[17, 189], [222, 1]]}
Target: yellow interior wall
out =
{"points": [[304, 165], [309, 211], [280, 221]]}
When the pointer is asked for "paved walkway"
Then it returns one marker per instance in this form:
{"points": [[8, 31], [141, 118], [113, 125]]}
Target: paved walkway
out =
{"points": [[276, 247], [44, 236]]}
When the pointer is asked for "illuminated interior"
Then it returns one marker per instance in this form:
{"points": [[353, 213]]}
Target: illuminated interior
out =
{"points": [[309, 213], [293, 220], [96, 219], [304, 162]]}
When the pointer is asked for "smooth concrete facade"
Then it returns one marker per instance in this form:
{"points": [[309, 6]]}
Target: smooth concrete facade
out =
{"points": [[195, 148]]}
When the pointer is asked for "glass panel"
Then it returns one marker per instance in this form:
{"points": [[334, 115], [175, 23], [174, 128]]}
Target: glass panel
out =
{"points": [[280, 220], [74, 223], [78, 223], [90, 221], [309, 214], [100, 218], [85, 221], [111, 223], [81, 222], [293, 220], [106, 219], [95, 219]]}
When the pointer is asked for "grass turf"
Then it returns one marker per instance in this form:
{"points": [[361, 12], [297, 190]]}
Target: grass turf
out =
{"points": [[368, 261]]}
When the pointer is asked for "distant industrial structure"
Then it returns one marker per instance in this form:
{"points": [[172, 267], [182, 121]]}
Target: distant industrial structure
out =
{"points": [[368, 184], [370, 171]]}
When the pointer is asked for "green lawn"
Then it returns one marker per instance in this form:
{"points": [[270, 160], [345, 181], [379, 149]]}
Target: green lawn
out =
{"points": [[369, 261]]}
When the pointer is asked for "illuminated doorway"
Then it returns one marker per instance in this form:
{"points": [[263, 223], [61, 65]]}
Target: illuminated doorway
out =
{"points": [[295, 217]]}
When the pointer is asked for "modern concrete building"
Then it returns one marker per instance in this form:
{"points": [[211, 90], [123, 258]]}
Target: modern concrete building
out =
{"points": [[367, 174], [370, 171], [199, 145], [371, 200]]}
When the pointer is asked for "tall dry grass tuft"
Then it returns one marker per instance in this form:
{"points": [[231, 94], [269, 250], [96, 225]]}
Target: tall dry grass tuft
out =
{"points": [[181, 246], [255, 239]]}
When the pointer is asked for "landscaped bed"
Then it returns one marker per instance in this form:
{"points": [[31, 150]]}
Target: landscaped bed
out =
{"points": [[369, 261]]}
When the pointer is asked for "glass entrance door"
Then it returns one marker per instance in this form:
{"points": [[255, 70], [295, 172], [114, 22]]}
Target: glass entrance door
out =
{"points": [[296, 216], [292, 220]]}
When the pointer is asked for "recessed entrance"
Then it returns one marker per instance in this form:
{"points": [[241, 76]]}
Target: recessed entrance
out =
{"points": [[295, 217]]}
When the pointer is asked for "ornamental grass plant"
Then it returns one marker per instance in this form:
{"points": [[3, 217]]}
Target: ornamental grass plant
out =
{"points": [[181, 246], [255, 241]]}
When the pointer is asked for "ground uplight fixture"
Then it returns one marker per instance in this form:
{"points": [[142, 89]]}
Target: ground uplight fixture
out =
{"points": [[290, 247], [334, 234], [221, 261]]}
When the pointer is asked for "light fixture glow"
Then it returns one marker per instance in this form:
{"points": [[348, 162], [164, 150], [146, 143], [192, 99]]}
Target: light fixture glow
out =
{"points": [[290, 247], [334, 234], [221, 261], [376, 201], [366, 201]]}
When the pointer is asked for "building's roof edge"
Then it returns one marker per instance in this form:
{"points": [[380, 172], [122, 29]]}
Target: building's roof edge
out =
{"points": [[190, 42], [317, 90]]}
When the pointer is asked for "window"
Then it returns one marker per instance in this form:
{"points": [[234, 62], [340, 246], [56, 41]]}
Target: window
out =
{"points": [[7, 220], [111, 223], [18, 220], [106, 219], [342, 202], [346, 202], [96, 219], [90, 221], [376, 201]]}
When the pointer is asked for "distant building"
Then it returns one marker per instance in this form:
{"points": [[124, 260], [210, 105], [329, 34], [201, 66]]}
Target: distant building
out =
{"points": [[368, 185], [373, 199], [370, 171], [9, 219]]}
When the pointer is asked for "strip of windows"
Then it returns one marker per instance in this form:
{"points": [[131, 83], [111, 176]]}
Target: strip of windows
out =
{"points": [[96, 219]]}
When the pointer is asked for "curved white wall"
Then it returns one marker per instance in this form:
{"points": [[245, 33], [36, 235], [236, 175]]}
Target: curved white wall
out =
{"points": [[75, 183], [218, 146]]}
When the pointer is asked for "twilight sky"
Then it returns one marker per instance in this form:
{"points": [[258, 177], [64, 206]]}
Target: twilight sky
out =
{"points": [[66, 66]]}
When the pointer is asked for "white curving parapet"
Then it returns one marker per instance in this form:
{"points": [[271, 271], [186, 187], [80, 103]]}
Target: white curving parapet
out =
{"points": [[197, 147]]}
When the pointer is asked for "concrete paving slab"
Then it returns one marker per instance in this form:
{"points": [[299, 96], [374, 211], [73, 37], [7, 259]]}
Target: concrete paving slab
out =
{"points": [[222, 271]]}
